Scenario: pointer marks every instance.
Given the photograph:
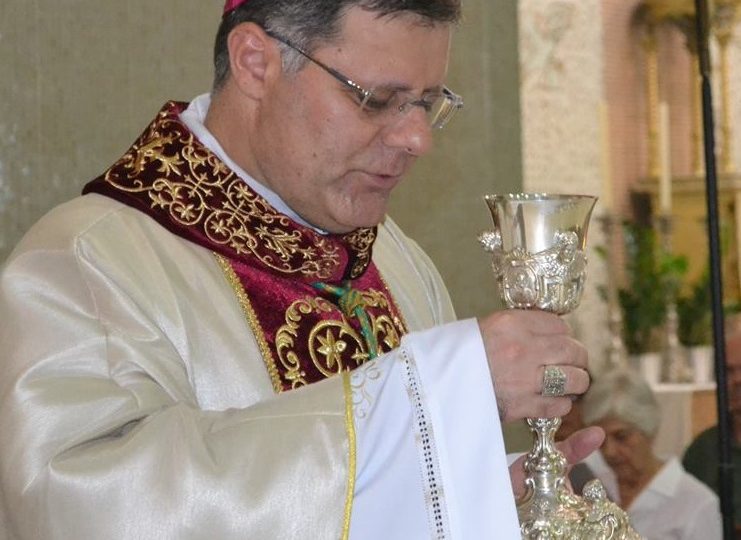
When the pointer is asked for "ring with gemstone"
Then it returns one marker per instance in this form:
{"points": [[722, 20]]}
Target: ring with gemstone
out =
{"points": [[554, 381]]}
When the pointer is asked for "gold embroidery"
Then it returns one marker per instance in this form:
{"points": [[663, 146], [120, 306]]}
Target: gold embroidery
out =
{"points": [[352, 455], [287, 334], [387, 328], [328, 339], [330, 348], [251, 317], [190, 175], [332, 342], [362, 240], [399, 321]]}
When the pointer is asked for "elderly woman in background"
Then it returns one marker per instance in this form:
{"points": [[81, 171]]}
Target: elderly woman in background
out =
{"points": [[661, 498]]}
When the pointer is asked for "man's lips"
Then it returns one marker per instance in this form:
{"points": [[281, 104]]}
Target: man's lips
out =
{"points": [[382, 179]]}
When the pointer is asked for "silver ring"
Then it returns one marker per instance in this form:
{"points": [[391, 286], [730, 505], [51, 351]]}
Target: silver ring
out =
{"points": [[554, 381]]}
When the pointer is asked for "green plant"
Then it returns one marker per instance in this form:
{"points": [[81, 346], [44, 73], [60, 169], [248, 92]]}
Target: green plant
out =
{"points": [[694, 306], [652, 276], [695, 313]]}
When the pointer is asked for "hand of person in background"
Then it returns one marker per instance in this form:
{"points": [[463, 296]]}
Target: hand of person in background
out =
{"points": [[519, 345]]}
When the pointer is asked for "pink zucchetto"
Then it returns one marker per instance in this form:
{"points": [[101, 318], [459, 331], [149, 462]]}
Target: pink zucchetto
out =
{"points": [[232, 4]]}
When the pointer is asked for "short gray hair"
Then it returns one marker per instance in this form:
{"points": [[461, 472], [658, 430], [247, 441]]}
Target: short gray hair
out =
{"points": [[625, 395], [306, 23]]}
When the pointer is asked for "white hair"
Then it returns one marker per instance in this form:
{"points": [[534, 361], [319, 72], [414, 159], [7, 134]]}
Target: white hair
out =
{"points": [[625, 395]]}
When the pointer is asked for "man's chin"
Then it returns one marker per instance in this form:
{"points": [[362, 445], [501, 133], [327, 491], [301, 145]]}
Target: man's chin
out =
{"points": [[363, 220], [345, 229]]}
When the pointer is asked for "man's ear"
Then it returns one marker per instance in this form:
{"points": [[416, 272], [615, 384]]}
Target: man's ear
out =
{"points": [[254, 59]]}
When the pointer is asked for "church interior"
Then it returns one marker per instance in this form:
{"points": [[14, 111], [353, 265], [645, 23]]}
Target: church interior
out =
{"points": [[592, 97]]}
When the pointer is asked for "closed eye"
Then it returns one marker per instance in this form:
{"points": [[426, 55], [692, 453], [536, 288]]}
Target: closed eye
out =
{"points": [[379, 101]]}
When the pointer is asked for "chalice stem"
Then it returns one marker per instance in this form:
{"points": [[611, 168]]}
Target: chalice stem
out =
{"points": [[545, 466]]}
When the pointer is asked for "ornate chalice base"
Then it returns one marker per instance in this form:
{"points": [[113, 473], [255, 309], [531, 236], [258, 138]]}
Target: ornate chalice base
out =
{"points": [[538, 258], [550, 511]]}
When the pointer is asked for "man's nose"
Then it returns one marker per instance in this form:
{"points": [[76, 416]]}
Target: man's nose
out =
{"points": [[410, 131]]}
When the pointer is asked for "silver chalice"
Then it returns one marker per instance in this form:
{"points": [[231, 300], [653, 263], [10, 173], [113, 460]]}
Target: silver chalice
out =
{"points": [[537, 247]]}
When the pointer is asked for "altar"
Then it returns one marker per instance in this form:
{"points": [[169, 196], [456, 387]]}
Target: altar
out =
{"points": [[686, 411]]}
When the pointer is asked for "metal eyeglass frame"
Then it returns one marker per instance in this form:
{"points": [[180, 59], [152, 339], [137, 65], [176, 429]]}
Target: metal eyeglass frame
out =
{"points": [[452, 101]]}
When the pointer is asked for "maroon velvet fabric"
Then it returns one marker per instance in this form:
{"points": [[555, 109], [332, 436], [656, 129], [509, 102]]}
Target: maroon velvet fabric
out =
{"points": [[170, 176]]}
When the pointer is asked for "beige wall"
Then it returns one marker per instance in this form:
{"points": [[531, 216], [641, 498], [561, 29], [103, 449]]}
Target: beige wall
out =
{"points": [[79, 83]]}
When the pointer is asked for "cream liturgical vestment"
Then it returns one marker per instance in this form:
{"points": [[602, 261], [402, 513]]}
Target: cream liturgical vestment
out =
{"points": [[158, 384]]}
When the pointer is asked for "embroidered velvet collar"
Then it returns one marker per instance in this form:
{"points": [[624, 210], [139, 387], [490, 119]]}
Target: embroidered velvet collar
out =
{"points": [[168, 174]]}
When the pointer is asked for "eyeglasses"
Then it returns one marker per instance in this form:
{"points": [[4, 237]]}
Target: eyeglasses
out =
{"points": [[382, 104]]}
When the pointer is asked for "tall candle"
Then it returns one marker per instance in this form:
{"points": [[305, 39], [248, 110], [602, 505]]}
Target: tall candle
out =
{"points": [[665, 172], [607, 195]]}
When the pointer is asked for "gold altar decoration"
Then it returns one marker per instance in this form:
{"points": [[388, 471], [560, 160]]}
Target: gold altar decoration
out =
{"points": [[724, 16], [655, 19]]}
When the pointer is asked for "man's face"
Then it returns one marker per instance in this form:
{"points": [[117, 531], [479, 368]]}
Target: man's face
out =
{"points": [[325, 157]]}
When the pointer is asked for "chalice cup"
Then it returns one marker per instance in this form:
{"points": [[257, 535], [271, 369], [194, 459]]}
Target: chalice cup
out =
{"points": [[537, 247]]}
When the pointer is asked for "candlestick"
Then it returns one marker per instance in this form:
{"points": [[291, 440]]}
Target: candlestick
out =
{"points": [[676, 369], [617, 355], [665, 172], [607, 196]]}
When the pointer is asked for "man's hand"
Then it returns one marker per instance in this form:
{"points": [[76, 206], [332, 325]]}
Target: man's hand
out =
{"points": [[574, 448], [519, 344]]}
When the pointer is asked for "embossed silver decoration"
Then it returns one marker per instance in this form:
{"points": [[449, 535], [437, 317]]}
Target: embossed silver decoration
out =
{"points": [[539, 263], [537, 248]]}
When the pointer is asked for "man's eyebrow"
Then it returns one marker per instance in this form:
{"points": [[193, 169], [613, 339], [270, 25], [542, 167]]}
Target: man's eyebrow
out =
{"points": [[399, 87]]}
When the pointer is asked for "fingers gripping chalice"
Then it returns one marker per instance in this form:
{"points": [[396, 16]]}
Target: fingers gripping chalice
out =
{"points": [[537, 249]]}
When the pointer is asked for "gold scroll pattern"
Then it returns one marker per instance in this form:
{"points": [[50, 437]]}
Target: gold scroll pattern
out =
{"points": [[363, 242], [333, 344], [183, 178]]}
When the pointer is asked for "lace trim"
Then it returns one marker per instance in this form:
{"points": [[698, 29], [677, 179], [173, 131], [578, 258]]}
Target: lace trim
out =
{"points": [[437, 514]]}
